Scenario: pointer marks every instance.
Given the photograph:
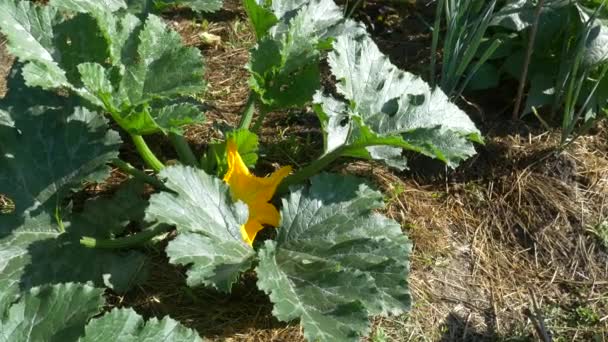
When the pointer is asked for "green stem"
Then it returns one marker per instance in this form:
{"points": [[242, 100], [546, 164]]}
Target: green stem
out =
{"points": [[129, 169], [528, 59], [247, 115], [260, 120], [435, 41], [312, 169], [127, 241], [146, 153], [183, 149], [148, 5]]}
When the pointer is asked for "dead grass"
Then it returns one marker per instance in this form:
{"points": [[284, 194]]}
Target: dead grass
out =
{"points": [[484, 245], [6, 62]]}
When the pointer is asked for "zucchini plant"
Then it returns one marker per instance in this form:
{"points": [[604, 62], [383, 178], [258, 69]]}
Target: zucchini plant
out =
{"points": [[335, 260]]}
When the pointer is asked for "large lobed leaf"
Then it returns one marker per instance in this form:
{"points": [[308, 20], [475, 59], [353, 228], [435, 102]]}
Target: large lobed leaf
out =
{"points": [[62, 312], [51, 313], [160, 51], [208, 224], [334, 261], [126, 325], [29, 30], [284, 64], [389, 110], [109, 58], [47, 153], [89, 6]]}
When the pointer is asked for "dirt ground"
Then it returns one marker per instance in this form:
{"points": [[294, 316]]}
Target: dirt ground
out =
{"points": [[506, 247]]}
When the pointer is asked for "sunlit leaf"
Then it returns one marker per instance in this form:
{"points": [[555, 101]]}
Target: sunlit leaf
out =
{"points": [[208, 224], [389, 108], [335, 261]]}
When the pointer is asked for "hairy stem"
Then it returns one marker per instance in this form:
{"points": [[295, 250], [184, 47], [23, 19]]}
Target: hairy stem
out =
{"points": [[247, 115], [147, 154], [312, 169], [260, 121], [139, 174], [183, 149], [127, 241], [524, 72]]}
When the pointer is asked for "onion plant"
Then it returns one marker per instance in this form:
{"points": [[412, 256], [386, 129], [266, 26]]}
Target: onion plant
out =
{"points": [[466, 24]]}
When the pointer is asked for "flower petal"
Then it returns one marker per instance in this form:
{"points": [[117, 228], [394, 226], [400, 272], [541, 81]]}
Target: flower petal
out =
{"points": [[254, 191], [265, 213], [249, 230], [247, 187]]}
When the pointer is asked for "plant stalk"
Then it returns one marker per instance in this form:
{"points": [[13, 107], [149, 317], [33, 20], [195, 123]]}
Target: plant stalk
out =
{"points": [[436, 29], [259, 121], [524, 72], [183, 149], [311, 170], [247, 115], [127, 241], [147, 154], [129, 169]]}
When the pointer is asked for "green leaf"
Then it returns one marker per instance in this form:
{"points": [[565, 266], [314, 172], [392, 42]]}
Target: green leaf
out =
{"points": [[171, 117], [208, 224], [61, 312], [198, 5], [107, 217], [486, 77], [20, 98], [596, 44], [110, 59], [518, 15], [51, 313], [389, 107], [89, 6], [285, 8], [126, 325], [138, 102], [163, 67], [284, 65], [39, 254], [335, 261], [120, 31], [261, 17], [29, 30], [47, 154], [541, 93], [214, 161], [79, 40]]}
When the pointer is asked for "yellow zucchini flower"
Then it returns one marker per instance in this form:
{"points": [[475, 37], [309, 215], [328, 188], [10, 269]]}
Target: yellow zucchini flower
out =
{"points": [[254, 191]]}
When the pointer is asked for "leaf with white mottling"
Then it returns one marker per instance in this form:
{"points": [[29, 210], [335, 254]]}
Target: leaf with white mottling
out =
{"points": [[208, 224], [163, 67], [48, 153], [51, 313], [89, 6], [390, 108], [125, 325], [335, 261], [284, 65], [29, 30]]}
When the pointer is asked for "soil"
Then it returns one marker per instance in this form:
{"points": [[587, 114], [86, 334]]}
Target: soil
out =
{"points": [[503, 245]]}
